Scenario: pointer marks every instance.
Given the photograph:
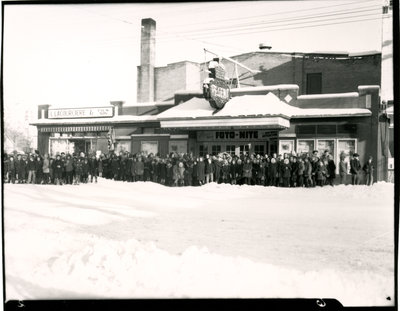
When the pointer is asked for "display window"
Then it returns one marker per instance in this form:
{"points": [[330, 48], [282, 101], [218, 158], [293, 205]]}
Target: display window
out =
{"points": [[149, 147], [305, 146]]}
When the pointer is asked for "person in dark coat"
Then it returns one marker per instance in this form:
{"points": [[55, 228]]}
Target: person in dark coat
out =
{"points": [[314, 165], [123, 164], [128, 172], [93, 168], [225, 171], [11, 169], [170, 174], [162, 170], [300, 173], [294, 171], [147, 169], [39, 170], [31, 167], [139, 169], [247, 172], [255, 171], [78, 170], [273, 173], [218, 167], [85, 170], [57, 170], [189, 173], [321, 173], [355, 169], [195, 180], [307, 173], [232, 172], [21, 169], [209, 170], [239, 172], [69, 169], [154, 170], [368, 168], [115, 167], [331, 170], [286, 173]]}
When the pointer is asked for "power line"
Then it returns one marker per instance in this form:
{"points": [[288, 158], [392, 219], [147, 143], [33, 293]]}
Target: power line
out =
{"points": [[260, 25], [271, 28], [283, 12]]}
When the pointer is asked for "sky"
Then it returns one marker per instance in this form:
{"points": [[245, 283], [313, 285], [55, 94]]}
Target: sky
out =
{"points": [[87, 54]]}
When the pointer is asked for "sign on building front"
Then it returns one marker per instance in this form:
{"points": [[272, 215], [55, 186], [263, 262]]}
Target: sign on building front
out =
{"points": [[67, 113]]}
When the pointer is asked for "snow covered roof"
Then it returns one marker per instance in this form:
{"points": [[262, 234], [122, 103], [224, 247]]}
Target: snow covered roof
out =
{"points": [[331, 95], [253, 105], [113, 120]]}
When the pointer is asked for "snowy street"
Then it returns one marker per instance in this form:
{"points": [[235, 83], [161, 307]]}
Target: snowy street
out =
{"points": [[130, 240]]}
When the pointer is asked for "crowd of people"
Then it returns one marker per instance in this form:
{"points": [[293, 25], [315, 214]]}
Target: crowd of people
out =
{"points": [[289, 170]]}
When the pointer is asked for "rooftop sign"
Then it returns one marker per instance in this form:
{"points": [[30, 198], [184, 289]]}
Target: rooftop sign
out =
{"points": [[71, 113]]}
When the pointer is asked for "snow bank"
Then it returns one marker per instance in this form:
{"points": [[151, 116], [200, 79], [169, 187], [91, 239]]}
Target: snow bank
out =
{"points": [[144, 240], [131, 269]]}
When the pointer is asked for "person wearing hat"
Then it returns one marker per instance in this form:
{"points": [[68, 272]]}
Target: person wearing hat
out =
{"points": [[355, 169]]}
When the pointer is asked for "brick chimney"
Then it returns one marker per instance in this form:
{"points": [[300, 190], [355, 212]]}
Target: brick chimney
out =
{"points": [[145, 72]]}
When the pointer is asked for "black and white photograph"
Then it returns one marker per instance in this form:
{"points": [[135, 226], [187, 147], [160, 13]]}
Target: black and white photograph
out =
{"points": [[190, 150]]}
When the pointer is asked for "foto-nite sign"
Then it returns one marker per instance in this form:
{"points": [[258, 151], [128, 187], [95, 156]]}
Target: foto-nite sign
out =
{"points": [[95, 112]]}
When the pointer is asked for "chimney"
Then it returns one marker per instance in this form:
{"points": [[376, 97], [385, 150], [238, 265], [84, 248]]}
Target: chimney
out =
{"points": [[145, 72]]}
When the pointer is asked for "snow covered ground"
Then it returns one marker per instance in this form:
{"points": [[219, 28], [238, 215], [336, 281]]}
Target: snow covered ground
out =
{"points": [[144, 240]]}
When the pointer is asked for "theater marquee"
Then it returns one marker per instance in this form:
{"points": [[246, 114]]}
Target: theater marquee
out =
{"points": [[70, 113]]}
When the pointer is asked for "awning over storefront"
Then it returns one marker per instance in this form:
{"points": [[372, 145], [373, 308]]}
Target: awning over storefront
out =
{"points": [[127, 119]]}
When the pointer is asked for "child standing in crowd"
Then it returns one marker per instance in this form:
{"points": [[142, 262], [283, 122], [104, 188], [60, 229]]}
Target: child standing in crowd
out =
{"points": [[320, 173]]}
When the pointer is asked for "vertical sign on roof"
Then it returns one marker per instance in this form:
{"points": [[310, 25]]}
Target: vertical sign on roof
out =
{"points": [[215, 88]]}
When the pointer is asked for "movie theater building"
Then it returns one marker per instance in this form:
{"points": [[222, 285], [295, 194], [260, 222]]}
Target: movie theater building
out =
{"points": [[263, 120]]}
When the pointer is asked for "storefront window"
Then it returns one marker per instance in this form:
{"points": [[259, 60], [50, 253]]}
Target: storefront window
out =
{"points": [[326, 144], [123, 146], [215, 149], [179, 146], [58, 145], [230, 149], [305, 146], [149, 147], [286, 146], [203, 150], [259, 149], [244, 149], [346, 148]]}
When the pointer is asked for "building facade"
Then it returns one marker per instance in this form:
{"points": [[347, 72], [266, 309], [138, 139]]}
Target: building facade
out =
{"points": [[296, 103]]}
